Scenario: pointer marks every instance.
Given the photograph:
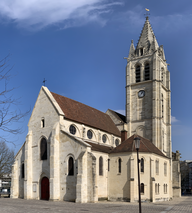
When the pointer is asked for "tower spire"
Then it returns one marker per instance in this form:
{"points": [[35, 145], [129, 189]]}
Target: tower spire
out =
{"points": [[147, 38]]}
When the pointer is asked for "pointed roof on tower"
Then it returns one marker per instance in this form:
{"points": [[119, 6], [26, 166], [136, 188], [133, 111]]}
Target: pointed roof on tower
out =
{"points": [[147, 38], [131, 50]]}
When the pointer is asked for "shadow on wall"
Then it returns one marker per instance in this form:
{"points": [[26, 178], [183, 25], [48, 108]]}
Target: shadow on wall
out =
{"points": [[70, 180], [43, 192], [126, 187], [22, 173]]}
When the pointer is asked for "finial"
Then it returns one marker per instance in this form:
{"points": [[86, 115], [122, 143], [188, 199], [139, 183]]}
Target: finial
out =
{"points": [[132, 41], [147, 14], [44, 81]]}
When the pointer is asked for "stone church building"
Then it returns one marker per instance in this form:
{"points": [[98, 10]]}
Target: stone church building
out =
{"points": [[74, 152]]}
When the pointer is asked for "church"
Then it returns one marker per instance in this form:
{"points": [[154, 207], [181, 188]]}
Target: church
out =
{"points": [[74, 152]]}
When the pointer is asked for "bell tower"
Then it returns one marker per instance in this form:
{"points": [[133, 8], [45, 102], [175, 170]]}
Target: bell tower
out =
{"points": [[148, 109]]}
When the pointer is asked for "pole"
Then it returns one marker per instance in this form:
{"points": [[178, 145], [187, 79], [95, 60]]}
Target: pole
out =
{"points": [[139, 182]]}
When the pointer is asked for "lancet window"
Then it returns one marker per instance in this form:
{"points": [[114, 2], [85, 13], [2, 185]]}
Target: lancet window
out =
{"points": [[119, 165], [101, 166], [43, 147], [70, 167], [142, 188], [142, 165]]}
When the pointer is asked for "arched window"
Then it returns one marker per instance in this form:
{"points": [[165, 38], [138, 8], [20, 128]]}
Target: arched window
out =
{"points": [[156, 188], [137, 74], [119, 165], [165, 169], [117, 142], [147, 72], [70, 167], [162, 106], [42, 123], [43, 149], [157, 167], [142, 165], [100, 166], [108, 164], [142, 188], [23, 171]]}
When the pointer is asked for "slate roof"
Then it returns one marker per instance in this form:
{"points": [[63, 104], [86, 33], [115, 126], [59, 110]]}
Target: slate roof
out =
{"points": [[99, 147], [145, 146], [119, 116], [87, 115]]}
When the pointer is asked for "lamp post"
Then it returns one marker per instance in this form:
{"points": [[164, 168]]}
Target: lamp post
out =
{"points": [[137, 145]]}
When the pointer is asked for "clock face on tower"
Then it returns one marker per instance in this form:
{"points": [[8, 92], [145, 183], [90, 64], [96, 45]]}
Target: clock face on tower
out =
{"points": [[141, 93]]}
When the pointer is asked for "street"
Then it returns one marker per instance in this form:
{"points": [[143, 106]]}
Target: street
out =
{"points": [[8, 205]]}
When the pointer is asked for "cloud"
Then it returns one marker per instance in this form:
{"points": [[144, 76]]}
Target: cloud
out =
{"points": [[36, 14], [173, 119]]}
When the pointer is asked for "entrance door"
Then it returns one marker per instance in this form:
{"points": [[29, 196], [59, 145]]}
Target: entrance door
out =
{"points": [[45, 188]]}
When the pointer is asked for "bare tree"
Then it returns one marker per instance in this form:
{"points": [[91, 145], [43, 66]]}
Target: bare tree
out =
{"points": [[9, 112], [6, 159]]}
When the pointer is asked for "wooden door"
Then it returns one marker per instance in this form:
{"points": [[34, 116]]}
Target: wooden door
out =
{"points": [[45, 188]]}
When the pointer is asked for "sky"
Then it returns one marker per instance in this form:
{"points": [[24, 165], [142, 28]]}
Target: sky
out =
{"points": [[79, 46]]}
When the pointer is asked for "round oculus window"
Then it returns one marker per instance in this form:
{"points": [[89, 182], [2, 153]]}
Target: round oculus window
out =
{"points": [[104, 138], [72, 129], [117, 142], [89, 134]]}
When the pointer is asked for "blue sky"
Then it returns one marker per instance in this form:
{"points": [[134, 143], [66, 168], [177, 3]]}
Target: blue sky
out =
{"points": [[79, 46]]}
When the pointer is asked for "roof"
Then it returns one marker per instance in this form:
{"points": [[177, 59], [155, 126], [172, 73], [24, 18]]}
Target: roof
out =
{"points": [[147, 38], [118, 116], [99, 148], [145, 146], [81, 113]]}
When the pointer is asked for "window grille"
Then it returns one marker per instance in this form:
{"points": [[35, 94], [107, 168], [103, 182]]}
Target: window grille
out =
{"points": [[72, 129], [89, 134]]}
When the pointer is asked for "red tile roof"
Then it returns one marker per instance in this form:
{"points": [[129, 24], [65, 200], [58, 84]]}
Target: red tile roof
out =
{"points": [[87, 115], [145, 146]]}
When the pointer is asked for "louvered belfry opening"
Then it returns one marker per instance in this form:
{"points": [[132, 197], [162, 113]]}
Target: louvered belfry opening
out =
{"points": [[147, 72], [137, 74], [43, 149], [70, 167]]}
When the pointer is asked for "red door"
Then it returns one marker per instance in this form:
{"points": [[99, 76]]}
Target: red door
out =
{"points": [[45, 189]]}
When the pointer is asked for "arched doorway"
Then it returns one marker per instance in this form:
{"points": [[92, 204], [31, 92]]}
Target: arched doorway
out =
{"points": [[45, 188]]}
